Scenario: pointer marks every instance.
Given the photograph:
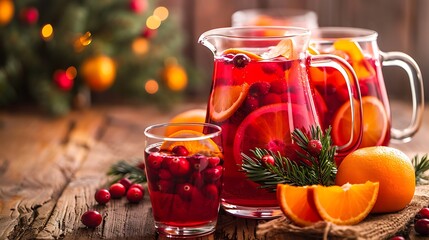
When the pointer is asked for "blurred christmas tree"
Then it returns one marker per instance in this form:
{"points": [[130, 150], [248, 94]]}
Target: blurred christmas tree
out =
{"points": [[56, 52]]}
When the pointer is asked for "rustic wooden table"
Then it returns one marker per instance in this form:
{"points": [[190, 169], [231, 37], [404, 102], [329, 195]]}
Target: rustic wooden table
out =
{"points": [[50, 169]]}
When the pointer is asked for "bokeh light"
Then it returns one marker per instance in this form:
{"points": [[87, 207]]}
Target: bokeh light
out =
{"points": [[153, 22], [161, 12], [151, 86], [47, 32], [71, 72], [85, 39], [140, 46]]}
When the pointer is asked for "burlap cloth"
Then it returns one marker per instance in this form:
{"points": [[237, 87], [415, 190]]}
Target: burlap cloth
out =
{"points": [[375, 226]]}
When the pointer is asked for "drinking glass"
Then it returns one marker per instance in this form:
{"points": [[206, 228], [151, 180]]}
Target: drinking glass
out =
{"points": [[275, 17], [184, 174]]}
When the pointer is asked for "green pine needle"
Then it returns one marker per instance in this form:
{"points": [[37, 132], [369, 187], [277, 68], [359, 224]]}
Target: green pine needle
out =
{"points": [[124, 169], [421, 165], [321, 170]]}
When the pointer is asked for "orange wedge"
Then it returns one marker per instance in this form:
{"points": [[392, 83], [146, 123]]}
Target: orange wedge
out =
{"points": [[375, 123], [226, 100], [362, 68], [234, 51], [206, 146], [346, 205], [197, 115], [297, 204]]}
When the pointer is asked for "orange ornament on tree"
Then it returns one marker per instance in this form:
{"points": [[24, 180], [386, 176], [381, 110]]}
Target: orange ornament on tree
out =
{"points": [[7, 10], [99, 72]]}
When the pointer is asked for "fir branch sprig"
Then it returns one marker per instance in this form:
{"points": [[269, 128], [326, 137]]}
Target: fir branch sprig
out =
{"points": [[421, 165], [131, 171], [314, 169]]}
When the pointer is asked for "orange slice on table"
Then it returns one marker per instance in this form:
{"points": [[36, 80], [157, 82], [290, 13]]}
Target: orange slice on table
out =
{"points": [[375, 123], [297, 204], [226, 100], [193, 146], [346, 205], [361, 66]]}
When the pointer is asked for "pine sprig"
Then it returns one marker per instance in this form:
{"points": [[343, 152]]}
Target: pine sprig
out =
{"points": [[319, 169], [123, 169], [421, 165]]}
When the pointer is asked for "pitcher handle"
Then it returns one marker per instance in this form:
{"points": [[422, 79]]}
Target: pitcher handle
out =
{"points": [[349, 75], [407, 63]]}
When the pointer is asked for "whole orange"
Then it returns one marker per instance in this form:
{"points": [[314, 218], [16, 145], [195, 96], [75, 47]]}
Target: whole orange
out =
{"points": [[197, 115], [389, 166]]}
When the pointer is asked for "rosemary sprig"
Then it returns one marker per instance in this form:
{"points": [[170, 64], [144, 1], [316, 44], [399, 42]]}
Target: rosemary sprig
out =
{"points": [[421, 165], [319, 169], [123, 169]]}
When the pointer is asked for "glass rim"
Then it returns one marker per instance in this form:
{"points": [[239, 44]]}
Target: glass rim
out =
{"points": [[149, 134], [355, 34], [285, 12], [234, 32]]}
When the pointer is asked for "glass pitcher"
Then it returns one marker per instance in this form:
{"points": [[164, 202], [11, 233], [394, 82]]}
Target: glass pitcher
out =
{"points": [[260, 93], [359, 47]]}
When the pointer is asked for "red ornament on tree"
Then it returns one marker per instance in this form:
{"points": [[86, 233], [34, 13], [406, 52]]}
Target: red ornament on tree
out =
{"points": [[138, 6], [30, 15], [148, 33], [62, 80]]}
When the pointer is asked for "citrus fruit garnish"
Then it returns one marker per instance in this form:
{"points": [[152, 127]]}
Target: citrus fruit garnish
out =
{"points": [[312, 50], [389, 166], [193, 146], [189, 116], [297, 204], [375, 123], [347, 204], [269, 127], [235, 51], [226, 100], [362, 68], [283, 48]]}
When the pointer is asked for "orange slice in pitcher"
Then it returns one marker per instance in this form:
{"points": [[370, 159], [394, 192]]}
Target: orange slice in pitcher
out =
{"points": [[226, 100], [362, 68], [345, 205], [375, 123], [237, 51], [297, 204], [197, 146]]}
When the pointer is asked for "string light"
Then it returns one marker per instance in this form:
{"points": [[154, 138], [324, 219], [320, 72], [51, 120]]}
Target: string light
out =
{"points": [[81, 42], [153, 22], [140, 46], [47, 32], [161, 12], [151, 86], [71, 72]]}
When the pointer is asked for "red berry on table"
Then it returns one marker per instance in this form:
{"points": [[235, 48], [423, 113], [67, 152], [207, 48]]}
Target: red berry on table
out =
{"points": [[180, 150], [117, 190], [91, 218], [268, 160], [179, 166], [185, 191], [139, 186], [102, 196], [134, 195], [154, 160], [424, 213], [422, 226], [397, 238], [314, 147], [126, 182]]}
